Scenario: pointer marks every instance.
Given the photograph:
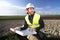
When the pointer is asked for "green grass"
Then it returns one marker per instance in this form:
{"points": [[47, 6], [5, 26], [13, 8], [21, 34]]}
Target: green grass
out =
{"points": [[10, 36], [22, 17], [12, 17]]}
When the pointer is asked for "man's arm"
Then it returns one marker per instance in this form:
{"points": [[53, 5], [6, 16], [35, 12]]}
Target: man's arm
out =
{"points": [[25, 26], [41, 22]]}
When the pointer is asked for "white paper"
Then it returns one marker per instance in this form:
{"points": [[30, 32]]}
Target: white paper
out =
{"points": [[24, 32]]}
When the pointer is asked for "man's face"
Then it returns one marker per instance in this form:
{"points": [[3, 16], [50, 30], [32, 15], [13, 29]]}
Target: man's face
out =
{"points": [[30, 11]]}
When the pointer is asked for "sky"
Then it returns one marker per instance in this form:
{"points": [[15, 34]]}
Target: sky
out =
{"points": [[17, 7]]}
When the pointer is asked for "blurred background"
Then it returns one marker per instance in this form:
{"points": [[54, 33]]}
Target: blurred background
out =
{"points": [[12, 13]]}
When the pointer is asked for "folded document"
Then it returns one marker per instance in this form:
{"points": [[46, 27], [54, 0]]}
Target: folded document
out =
{"points": [[24, 32]]}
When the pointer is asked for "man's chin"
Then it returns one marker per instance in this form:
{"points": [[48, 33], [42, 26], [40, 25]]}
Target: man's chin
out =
{"points": [[32, 13]]}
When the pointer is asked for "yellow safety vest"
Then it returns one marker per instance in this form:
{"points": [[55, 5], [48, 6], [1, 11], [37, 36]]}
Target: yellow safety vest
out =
{"points": [[35, 23]]}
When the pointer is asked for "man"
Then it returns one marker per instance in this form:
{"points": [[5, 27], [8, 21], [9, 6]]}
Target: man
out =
{"points": [[34, 22]]}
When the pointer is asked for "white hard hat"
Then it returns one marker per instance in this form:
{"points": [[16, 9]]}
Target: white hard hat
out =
{"points": [[29, 5]]}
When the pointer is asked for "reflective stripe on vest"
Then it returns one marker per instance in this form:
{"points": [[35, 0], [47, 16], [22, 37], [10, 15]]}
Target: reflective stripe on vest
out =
{"points": [[35, 22]]}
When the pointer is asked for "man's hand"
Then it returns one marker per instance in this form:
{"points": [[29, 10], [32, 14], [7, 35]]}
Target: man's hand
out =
{"points": [[16, 28], [32, 29]]}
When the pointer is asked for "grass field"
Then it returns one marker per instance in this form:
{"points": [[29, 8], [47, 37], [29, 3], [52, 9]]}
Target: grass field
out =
{"points": [[22, 17], [12, 36], [12, 17]]}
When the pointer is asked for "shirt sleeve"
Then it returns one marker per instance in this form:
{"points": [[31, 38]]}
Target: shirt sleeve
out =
{"points": [[41, 22], [25, 26]]}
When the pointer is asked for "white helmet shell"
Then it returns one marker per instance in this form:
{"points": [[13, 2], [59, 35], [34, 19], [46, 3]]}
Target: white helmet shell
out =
{"points": [[29, 5]]}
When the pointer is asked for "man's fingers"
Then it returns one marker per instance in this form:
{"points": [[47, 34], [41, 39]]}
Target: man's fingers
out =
{"points": [[14, 29], [31, 29]]}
